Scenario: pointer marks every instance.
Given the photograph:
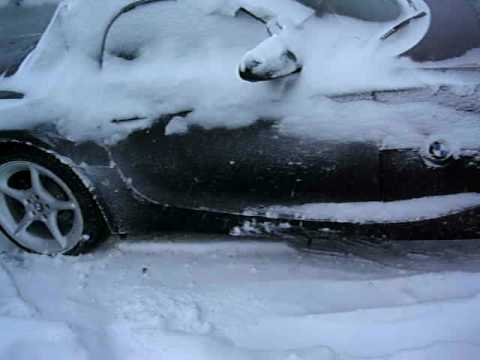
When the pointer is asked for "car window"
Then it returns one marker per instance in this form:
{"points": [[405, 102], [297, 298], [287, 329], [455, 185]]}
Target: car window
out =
{"points": [[369, 10]]}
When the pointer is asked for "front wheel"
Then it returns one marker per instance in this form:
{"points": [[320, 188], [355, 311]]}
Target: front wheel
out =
{"points": [[44, 206]]}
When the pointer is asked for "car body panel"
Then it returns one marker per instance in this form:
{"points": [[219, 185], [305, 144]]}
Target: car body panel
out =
{"points": [[210, 177], [405, 174], [226, 169]]}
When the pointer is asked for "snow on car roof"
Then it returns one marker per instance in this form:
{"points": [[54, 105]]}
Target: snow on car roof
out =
{"points": [[292, 10]]}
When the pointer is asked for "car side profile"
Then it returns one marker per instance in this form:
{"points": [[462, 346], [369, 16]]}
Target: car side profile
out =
{"points": [[347, 118]]}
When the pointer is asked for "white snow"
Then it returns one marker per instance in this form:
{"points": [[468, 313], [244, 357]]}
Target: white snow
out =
{"points": [[211, 298], [277, 9], [376, 212], [269, 60]]}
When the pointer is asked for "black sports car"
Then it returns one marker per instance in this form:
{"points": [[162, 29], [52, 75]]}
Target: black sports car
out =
{"points": [[348, 118]]}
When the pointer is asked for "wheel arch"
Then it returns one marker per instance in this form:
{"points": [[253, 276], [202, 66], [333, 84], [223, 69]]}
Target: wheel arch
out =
{"points": [[11, 141]]}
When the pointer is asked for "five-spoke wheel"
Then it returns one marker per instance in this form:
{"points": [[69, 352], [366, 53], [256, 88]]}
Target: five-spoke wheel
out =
{"points": [[44, 211]]}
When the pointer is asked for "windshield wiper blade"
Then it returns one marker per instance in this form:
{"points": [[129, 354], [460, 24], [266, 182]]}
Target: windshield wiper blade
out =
{"points": [[402, 24]]}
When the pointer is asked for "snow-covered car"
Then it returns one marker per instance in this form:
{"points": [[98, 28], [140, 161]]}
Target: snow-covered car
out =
{"points": [[346, 117]]}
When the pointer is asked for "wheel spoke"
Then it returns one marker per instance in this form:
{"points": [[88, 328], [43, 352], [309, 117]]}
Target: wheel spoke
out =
{"points": [[52, 225], [37, 186], [63, 205], [23, 225], [36, 182], [19, 195]]}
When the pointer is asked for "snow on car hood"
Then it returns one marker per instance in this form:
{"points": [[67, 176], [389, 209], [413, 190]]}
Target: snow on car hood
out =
{"points": [[283, 9], [65, 84]]}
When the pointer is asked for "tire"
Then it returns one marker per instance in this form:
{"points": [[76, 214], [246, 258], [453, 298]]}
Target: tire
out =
{"points": [[45, 207]]}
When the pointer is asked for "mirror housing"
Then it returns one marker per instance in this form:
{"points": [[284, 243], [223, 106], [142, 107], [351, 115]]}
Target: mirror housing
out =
{"points": [[269, 61]]}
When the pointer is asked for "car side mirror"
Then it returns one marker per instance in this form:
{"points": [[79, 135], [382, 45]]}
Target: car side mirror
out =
{"points": [[269, 61]]}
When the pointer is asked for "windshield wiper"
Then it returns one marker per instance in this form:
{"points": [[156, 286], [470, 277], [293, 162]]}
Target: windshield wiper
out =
{"points": [[402, 24]]}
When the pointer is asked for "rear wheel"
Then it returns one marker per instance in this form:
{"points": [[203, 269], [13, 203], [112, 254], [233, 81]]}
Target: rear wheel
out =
{"points": [[44, 206]]}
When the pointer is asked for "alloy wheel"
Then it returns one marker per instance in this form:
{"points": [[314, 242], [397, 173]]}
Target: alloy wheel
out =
{"points": [[37, 209]]}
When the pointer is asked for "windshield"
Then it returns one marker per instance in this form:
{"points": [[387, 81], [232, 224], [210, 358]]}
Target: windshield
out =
{"points": [[20, 29], [369, 10]]}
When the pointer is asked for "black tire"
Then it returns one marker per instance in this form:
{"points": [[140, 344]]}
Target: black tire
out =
{"points": [[95, 229]]}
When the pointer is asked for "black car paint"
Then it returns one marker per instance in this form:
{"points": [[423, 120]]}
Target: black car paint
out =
{"points": [[231, 169], [129, 212], [203, 179], [255, 166]]}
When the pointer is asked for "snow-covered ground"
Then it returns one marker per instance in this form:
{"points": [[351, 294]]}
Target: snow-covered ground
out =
{"points": [[213, 298]]}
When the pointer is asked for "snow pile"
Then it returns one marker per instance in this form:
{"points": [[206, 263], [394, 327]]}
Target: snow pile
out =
{"points": [[376, 212], [194, 65], [219, 299]]}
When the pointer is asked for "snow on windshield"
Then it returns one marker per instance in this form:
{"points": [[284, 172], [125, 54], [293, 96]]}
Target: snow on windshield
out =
{"points": [[185, 55]]}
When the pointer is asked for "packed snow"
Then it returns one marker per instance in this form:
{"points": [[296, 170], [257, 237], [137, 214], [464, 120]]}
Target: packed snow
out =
{"points": [[207, 297]]}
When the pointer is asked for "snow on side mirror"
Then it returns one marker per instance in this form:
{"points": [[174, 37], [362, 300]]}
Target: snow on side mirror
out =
{"points": [[268, 61]]}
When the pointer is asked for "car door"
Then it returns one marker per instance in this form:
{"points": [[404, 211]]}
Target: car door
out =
{"points": [[214, 163]]}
